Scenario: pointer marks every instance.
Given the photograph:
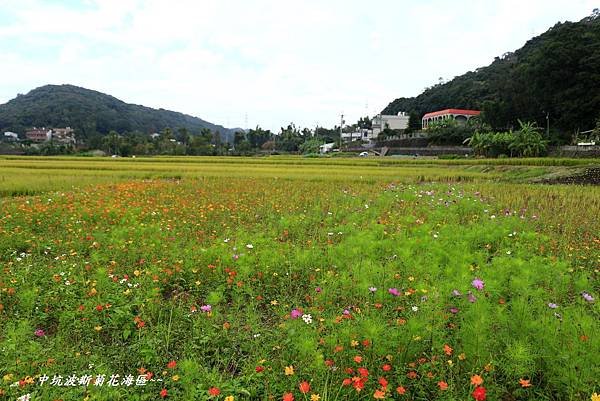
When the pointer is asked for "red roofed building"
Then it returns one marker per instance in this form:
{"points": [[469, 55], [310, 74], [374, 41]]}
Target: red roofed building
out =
{"points": [[459, 115]]}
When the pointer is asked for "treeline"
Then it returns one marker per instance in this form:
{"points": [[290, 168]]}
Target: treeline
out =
{"points": [[554, 80], [182, 141]]}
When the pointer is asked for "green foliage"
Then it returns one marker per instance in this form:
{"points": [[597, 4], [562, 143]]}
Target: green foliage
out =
{"points": [[554, 74], [526, 142], [91, 113]]}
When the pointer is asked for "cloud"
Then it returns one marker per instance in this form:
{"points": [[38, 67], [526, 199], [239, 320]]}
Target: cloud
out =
{"points": [[274, 61]]}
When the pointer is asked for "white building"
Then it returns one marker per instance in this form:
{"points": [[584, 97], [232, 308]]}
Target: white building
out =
{"points": [[11, 136], [326, 147], [383, 121]]}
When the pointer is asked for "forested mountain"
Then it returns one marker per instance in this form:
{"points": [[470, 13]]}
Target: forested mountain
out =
{"points": [[91, 113], [555, 74]]}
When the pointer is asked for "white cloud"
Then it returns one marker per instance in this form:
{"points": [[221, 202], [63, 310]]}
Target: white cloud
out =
{"points": [[276, 61]]}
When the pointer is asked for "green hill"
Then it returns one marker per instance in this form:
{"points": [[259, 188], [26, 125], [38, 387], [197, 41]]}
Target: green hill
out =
{"points": [[91, 113], [556, 73]]}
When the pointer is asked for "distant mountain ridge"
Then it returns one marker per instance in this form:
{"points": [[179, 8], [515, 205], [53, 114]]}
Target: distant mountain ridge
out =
{"points": [[554, 75], [91, 112]]}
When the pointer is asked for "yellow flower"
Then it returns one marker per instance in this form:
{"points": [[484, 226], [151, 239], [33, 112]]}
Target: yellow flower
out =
{"points": [[175, 378], [136, 273], [317, 397], [353, 343], [462, 356], [450, 363], [229, 398], [274, 302], [595, 397], [98, 328], [289, 370], [28, 380], [7, 377]]}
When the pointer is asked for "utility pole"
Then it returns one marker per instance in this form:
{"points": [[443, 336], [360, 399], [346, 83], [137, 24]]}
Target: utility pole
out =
{"points": [[341, 127], [547, 124]]}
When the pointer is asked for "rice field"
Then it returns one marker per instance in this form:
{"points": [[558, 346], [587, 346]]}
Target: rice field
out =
{"points": [[286, 278]]}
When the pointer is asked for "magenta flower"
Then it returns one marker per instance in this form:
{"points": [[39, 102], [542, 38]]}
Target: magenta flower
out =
{"points": [[39, 333], [318, 289], [295, 314], [394, 292], [478, 284], [471, 297], [346, 312], [206, 308], [454, 310]]}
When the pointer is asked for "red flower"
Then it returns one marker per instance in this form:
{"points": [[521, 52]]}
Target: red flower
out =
{"points": [[171, 364], [346, 382], [443, 385], [259, 369], [359, 384], [304, 387], [99, 308], [288, 397], [383, 382], [214, 391], [329, 362], [363, 372], [400, 390], [350, 371], [163, 393], [386, 367], [479, 393], [358, 359]]}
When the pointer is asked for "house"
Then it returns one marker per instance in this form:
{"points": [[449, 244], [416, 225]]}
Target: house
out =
{"points": [[38, 134], [395, 122], [63, 135], [10, 136], [459, 115], [326, 147]]}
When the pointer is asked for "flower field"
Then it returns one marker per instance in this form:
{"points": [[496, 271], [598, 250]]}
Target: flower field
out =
{"points": [[296, 280]]}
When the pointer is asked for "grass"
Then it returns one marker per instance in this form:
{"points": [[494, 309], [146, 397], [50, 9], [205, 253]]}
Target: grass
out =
{"points": [[279, 277]]}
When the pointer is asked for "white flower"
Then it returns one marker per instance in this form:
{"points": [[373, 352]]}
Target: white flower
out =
{"points": [[226, 240], [307, 319], [249, 246], [415, 308]]}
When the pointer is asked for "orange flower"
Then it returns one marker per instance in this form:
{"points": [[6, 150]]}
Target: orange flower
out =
{"points": [[358, 359], [476, 380], [288, 397], [171, 364], [386, 367], [383, 382], [379, 395], [443, 385], [400, 390], [214, 391], [304, 387], [524, 383], [412, 374], [448, 349]]}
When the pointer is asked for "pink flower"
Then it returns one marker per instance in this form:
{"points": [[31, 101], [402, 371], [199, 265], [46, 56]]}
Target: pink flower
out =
{"points": [[39, 333], [394, 292], [206, 308], [295, 314], [478, 284]]}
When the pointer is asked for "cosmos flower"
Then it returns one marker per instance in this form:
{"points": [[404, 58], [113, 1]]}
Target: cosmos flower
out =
{"points": [[39, 333], [394, 292], [295, 314], [372, 289], [206, 308], [552, 305], [587, 297], [478, 284]]}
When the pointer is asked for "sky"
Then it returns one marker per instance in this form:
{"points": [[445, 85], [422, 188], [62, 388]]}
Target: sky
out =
{"points": [[266, 63]]}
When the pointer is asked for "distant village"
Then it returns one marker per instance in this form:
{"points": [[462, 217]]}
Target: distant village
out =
{"points": [[65, 136]]}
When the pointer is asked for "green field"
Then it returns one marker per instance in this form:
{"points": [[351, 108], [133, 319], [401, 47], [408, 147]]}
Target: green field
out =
{"points": [[296, 278]]}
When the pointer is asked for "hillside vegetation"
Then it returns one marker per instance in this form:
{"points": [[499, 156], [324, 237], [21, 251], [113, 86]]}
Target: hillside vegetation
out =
{"points": [[90, 113], [554, 74]]}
